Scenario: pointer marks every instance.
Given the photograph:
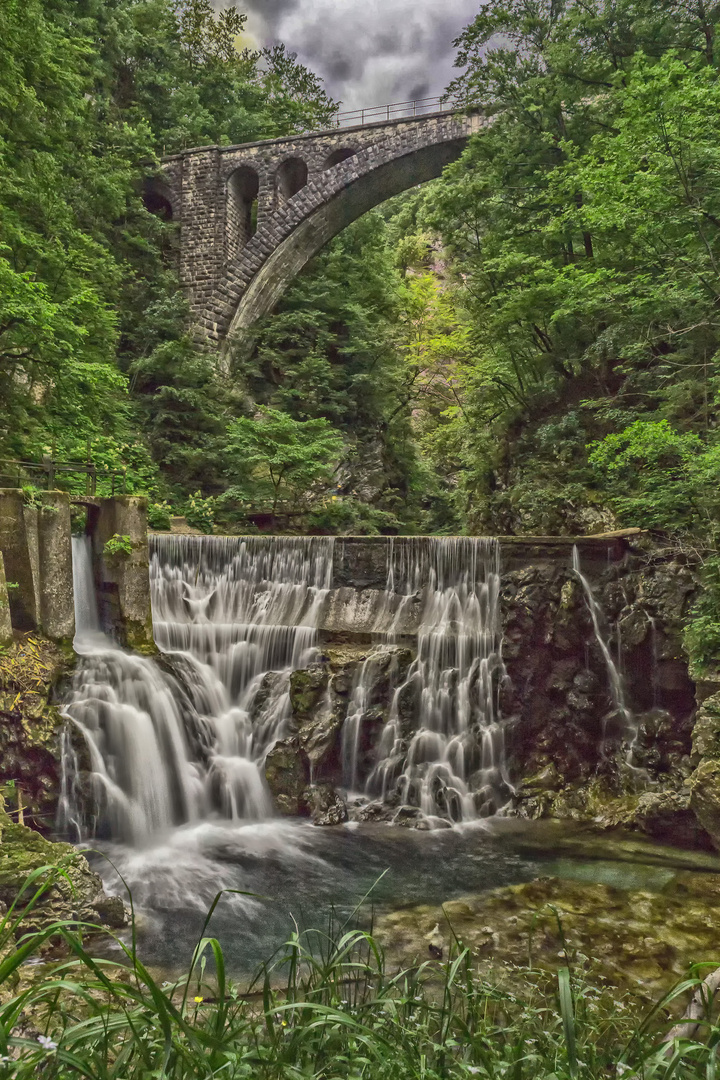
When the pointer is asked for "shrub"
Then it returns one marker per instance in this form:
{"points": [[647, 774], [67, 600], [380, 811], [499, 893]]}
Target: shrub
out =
{"points": [[118, 547], [200, 513], [159, 514]]}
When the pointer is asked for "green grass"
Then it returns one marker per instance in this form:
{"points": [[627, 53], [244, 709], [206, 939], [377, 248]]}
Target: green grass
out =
{"points": [[325, 1007]]}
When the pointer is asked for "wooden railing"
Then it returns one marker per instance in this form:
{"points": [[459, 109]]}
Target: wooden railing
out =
{"points": [[398, 110]]}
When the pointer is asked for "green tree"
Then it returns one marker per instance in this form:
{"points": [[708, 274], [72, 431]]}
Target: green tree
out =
{"points": [[287, 462], [93, 338], [332, 350]]}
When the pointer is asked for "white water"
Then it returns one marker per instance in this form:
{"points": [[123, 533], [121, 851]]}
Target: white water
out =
{"points": [[442, 748], [628, 726], [185, 740], [235, 617]]}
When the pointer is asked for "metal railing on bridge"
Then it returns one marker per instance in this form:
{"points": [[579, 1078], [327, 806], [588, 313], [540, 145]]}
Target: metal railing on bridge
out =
{"points": [[398, 110]]}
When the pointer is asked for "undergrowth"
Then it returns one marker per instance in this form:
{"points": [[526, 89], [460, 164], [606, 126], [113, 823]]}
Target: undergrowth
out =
{"points": [[325, 1007]]}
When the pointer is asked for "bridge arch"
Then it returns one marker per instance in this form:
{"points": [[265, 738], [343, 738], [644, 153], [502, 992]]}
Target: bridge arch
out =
{"points": [[336, 156], [241, 194], [157, 197], [291, 177], [307, 189], [320, 219]]}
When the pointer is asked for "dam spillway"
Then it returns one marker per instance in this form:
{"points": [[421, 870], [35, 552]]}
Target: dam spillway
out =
{"points": [[407, 678]]}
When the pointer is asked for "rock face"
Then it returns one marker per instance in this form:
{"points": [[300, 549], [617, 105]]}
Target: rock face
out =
{"points": [[31, 671], [704, 782], [287, 771], [318, 715], [558, 690], [574, 753], [571, 750]]}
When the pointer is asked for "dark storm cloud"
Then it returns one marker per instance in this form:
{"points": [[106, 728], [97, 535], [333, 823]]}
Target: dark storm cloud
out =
{"points": [[368, 51], [269, 10]]}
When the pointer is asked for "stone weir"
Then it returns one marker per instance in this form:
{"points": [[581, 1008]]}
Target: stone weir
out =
{"points": [[594, 700], [451, 678]]}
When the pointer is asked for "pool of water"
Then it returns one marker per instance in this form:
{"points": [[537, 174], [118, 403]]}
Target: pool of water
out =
{"points": [[288, 873]]}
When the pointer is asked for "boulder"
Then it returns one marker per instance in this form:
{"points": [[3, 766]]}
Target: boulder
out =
{"points": [[668, 816], [75, 893], [706, 732], [287, 771], [326, 806]]}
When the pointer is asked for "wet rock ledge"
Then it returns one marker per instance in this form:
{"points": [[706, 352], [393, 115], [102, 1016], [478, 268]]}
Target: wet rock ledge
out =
{"points": [[567, 753]]}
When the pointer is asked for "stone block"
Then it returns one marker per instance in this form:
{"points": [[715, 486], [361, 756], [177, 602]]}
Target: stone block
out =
{"points": [[55, 577], [18, 560]]}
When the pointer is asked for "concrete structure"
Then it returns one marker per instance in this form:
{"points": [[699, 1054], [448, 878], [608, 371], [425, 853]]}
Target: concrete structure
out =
{"points": [[252, 216], [122, 580], [6, 632], [36, 549]]}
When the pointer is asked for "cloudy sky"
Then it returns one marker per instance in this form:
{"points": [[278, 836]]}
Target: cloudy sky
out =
{"points": [[370, 52]]}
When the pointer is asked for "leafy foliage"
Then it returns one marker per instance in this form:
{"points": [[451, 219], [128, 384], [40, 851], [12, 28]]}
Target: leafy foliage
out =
{"points": [[279, 461], [93, 342], [118, 546]]}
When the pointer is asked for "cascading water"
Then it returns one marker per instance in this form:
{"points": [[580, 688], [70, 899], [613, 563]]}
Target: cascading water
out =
{"points": [[234, 616], [127, 710], [442, 748], [629, 730]]}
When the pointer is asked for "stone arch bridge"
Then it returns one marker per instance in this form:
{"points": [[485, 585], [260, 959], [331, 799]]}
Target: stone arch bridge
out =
{"points": [[252, 216]]}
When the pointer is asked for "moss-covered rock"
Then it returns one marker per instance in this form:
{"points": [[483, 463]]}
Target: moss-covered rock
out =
{"points": [[76, 892], [317, 718], [287, 771], [31, 674], [706, 730], [705, 797]]}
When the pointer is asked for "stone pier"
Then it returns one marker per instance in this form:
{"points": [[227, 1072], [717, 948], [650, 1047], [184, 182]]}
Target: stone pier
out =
{"points": [[122, 579], [36, 552], [37, 555]]}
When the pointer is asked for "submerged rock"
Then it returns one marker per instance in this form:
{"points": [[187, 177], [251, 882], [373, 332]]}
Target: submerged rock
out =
{"points": [[637, 940]]}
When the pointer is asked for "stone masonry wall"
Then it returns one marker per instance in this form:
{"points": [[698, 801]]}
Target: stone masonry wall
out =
{"points": [[216, 274]]}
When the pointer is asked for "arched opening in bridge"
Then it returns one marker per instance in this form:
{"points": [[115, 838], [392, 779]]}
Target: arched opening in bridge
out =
{"points": [[156, 199], [337, 156], [292, 175], [241, 208]]}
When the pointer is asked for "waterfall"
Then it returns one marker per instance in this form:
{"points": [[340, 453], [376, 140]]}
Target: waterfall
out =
{"points": [[629, 729], [234, 616], [442, 748]]}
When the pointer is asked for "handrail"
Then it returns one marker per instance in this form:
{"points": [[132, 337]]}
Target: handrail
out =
{"points": [[396, 111], [50, 466]]}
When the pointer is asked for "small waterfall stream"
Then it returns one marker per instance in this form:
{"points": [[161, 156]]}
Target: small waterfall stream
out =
{"points": [[628, 725]]}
